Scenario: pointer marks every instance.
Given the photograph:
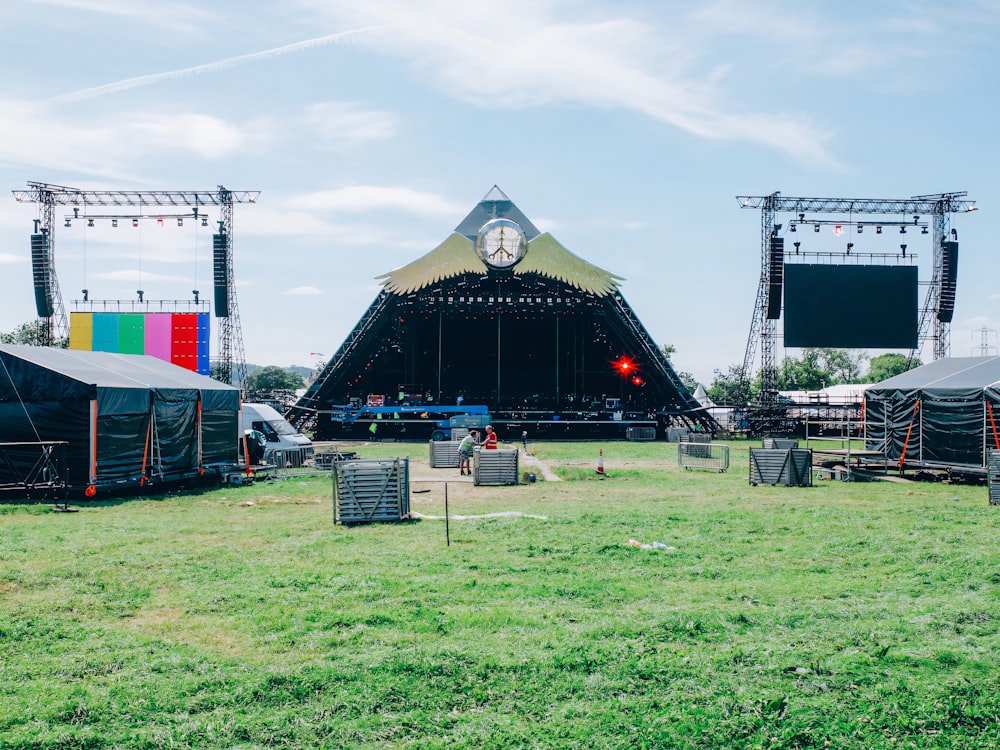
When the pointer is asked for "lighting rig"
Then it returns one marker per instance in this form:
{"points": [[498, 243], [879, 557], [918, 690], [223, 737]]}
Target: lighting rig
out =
{"points": [[53, 321], [857, 216]]}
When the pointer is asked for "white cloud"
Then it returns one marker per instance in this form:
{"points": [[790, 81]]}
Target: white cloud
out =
{"points": [[305, 291], [164, 15], [524, 57], [34, 134], [338, 122], [224, 64], [138, 276], [363, 198], [9, 259]]}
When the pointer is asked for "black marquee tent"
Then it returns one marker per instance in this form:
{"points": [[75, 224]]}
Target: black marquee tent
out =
{"points": [[129, 420], [502, 315], [945, 414]]}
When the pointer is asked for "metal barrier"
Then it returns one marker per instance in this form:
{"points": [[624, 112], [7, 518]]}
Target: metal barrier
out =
{"points": [[993, 477], [782, 443], [640, 432], [444, 454], [369, 491], [26, 467], [494, 466], [790, 467], [703, 456]]}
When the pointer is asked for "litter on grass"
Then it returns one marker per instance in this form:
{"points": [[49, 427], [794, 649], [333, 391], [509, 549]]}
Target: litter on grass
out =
{"points": [[655, 545]]}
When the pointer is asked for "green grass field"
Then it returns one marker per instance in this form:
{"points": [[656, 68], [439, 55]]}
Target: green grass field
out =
{"points": [[845, 615]]}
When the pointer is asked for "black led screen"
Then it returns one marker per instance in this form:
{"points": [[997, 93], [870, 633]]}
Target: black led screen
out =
{"points": [[851, 306]]}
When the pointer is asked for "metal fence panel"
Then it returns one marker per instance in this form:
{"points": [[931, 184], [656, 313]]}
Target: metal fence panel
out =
{"points": [[790, 467], [782, 443], [640, 432], [494, 466], [993, 477], [444, 454], [703, 456], [366, 491]]}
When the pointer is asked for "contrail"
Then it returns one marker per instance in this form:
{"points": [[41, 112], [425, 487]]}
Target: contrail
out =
{"points": [[229, 62]]}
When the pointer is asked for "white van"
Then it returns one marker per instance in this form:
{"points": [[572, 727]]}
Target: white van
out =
{"points": [[285, 447]]}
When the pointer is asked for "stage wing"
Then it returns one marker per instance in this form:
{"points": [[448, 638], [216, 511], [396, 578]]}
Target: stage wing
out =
{"points": [[453, 257], [546, 257]]}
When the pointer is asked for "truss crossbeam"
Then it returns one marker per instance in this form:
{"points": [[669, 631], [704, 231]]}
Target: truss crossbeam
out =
{"points": [[919, 204], [60, 195]]}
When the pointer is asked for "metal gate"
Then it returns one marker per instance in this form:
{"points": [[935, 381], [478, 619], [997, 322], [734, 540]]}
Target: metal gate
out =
{"points": [[366, 491]]}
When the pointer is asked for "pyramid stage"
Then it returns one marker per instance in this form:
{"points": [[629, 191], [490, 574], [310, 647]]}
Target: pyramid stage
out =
{"points": [[499, 320]]}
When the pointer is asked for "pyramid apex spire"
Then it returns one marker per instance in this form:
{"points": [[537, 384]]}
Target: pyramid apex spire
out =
{"points": [[495, 194]]}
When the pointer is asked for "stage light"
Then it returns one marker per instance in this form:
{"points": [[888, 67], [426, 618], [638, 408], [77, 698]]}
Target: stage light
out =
{"points": [[796, 247], [924, 231], [902, 230], [86, 294], [954, 234], [802, 217], [903, 248], [67, 224], [838, 230], [815, 227], [90, 222], [180, 221], [114, 222], [204, 221], [878, 230], [135, 222], [140, 293], [637, 380], [791, 227], [849, 246], [159, 222], [916, 218], [861, 228]]}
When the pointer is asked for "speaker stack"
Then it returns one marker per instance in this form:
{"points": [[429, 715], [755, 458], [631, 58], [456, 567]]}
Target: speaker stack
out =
{"points": [[776, 275], [220, 257], [42, 275], [949, 281]]}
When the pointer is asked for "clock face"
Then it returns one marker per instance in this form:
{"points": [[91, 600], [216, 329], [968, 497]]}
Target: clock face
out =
{"points": [[501, 243]]}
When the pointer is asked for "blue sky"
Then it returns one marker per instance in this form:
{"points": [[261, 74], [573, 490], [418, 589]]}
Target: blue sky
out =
{"points": [[372, 127]]}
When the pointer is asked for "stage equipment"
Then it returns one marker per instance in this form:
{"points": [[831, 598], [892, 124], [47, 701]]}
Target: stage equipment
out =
{"points": [[543, 339], [41, 272], [232, 362], [775, 277], [850, 306], [939, 206], [949, 281], [220, 266]]}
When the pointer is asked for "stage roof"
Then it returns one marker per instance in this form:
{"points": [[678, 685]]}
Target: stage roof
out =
{"points": [[545, 256]]}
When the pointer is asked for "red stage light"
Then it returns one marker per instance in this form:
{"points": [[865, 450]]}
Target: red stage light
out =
{"points": [[838, 230], [624, 365], [637, 380]]}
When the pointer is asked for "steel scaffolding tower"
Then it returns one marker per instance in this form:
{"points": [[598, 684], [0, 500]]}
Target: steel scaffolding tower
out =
{"points": [[763, 332], [232, 364]]}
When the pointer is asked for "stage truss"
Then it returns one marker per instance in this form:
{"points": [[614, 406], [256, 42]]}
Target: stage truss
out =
{"points": [[849, 212], [232, 360]]}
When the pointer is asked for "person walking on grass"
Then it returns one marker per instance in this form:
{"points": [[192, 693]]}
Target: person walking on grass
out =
{"points": [[465, 452]]}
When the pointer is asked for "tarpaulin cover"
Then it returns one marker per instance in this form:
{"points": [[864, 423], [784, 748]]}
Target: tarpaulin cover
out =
{"points": [[153, 419], [940, 413]]}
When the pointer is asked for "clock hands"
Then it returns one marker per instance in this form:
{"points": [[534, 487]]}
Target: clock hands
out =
{"points": [[501, 250]]}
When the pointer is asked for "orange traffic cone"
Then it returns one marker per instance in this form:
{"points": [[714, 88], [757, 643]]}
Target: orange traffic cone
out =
{"points": [[600, 463]]}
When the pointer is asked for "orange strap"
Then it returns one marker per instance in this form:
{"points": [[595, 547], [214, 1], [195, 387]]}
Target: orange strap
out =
{"points": [[909, 430], [996, 438], [861, 419], [145, 452]]}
